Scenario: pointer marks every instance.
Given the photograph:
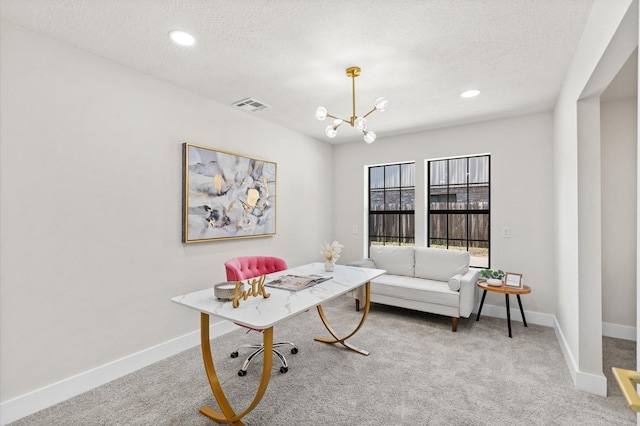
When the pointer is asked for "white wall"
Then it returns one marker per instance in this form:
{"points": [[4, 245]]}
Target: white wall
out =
{"points": [[90, 208], [619, 213], [521, 192], [602, 51]]}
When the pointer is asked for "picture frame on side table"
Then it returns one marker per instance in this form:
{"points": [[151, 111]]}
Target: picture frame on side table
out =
{"points": [[226, 195], [513, 279]]}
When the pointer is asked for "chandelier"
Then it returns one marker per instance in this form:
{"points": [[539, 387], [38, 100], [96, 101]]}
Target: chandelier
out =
{"points": [[359, 123]]}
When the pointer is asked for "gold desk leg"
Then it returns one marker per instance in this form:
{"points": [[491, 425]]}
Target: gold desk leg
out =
{"points": [[342, 340], [627, 379], [228, 415]]}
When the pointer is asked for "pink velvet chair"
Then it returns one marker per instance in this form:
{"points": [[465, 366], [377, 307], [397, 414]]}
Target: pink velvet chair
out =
{"points": [[247, 267]]}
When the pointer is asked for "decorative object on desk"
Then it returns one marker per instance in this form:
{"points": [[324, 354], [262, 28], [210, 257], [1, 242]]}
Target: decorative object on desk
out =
{"points": [[513, 280], [225, 290], [256, 288], [494, 282], [226, 195], [331, 253], [297, 282]]}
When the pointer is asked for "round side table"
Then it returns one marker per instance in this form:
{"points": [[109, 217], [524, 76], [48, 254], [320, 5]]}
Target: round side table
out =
{"points": [[506, 290]]}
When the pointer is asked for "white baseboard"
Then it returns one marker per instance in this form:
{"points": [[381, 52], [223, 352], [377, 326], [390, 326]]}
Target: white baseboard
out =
{"points": [[532, 317], [618, 331], [608, 329], [39, 399], [592, 383]]}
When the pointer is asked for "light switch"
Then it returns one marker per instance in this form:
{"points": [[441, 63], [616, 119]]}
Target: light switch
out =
{"points": [[354, 229]]}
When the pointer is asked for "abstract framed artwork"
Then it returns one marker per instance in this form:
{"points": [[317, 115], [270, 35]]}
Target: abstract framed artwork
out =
{"points": [[226, 195]]}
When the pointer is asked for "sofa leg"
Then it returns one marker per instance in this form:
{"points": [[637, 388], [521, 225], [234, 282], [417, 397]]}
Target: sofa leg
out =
{"points": [[454, 323], [357, 305]]}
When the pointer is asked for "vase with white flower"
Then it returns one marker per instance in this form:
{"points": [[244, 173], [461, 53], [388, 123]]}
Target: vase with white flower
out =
{"points": [[331, 253]]}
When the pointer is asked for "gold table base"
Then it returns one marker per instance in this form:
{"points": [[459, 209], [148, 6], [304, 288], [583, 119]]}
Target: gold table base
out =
{"points": [[627, 380], [343, 341], [228, 415]]}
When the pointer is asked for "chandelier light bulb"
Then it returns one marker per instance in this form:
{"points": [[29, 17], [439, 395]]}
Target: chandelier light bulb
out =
{"points": [[321, 113], [382, 104], [360, 124], [331, 131], [369, 136]]}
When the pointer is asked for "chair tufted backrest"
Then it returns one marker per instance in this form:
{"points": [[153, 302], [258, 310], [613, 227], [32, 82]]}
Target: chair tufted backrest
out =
{"points": [[246, 267]]}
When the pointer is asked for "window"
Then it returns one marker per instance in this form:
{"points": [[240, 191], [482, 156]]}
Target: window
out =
{"points": [[458, 200], [392, 204]]}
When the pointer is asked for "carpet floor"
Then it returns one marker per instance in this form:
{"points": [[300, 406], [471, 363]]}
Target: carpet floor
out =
{"points": [[418, 373]]}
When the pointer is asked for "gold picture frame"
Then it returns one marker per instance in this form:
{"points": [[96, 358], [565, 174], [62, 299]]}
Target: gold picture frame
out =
{"points": [[226, 195], [513, 279]]}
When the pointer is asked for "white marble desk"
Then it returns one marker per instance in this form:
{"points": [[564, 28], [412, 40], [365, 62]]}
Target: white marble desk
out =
{"points": [[260, 313], [263, 314]]}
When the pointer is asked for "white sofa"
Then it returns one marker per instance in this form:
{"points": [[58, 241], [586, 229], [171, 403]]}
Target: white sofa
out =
{"points": [[425, 279]]}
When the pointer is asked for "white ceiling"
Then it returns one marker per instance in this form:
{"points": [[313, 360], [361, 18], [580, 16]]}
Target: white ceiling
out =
{"points": [[292, 55]]}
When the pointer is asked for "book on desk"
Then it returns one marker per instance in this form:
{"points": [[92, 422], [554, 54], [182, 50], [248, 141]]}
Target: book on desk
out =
{"points": [[296, 282]]}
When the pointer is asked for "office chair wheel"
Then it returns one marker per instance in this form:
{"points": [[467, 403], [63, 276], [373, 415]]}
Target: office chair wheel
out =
{"points": [[284, 369], [294, 350], [242, 373], [234, 354]]}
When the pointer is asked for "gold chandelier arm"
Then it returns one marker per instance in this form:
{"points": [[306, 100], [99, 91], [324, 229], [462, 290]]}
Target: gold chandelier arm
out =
{"points": [[343, 120], [367, 114]]}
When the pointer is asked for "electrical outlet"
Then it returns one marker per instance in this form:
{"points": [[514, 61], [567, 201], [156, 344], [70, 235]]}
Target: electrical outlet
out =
{"points": [[506, 232]]}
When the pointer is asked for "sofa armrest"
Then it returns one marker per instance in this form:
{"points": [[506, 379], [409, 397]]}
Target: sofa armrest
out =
{"points": [[468, 292]]}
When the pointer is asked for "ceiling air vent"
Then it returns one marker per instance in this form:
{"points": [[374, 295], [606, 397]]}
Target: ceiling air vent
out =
{"points": [[251, 105]]}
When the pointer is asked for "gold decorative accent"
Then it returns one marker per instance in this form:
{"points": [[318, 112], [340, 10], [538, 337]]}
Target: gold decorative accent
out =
{"points": [[626, 380], [257, 289], [343, 340], [217, 183], [252, 198], [228, 415]]}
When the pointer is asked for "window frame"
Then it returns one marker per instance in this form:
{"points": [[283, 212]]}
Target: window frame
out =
{"points": [[467, 212], [400, 238]]}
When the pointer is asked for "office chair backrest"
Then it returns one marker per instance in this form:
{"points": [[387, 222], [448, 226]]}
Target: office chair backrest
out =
{"points": [[246, 267]]}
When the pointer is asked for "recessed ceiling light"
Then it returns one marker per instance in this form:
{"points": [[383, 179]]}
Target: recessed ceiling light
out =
{"points": [[182, 38], [470, 93]]}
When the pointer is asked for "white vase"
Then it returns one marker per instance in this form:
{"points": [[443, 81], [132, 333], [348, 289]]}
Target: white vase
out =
{"points": [[329, 266], [494, 282]]}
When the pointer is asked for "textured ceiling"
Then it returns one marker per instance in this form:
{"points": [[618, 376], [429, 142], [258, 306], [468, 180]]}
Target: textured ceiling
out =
{"points": [[292, 55]]}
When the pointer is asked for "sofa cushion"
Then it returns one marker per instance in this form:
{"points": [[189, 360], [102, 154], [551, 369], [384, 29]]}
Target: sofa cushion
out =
{"points": [[420, 290], [454, 282], [440, 264], [396, 260]]}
